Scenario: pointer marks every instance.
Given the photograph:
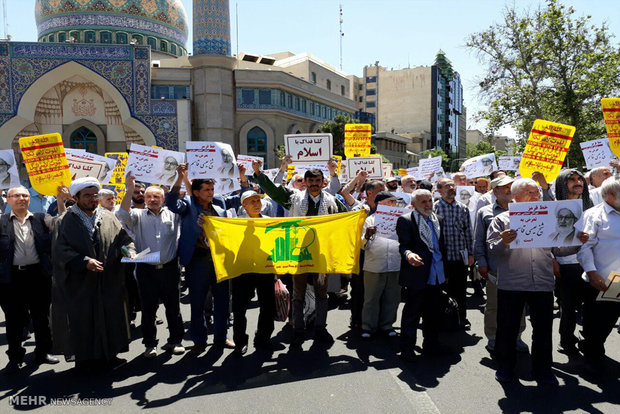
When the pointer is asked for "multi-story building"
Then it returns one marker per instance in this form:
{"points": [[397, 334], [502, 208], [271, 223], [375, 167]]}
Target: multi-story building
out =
{"points": [[499, 142]]}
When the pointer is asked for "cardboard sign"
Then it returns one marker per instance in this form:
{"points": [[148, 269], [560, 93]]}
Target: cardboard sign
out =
{"points": [[428, 166], [387, 170], [81, 168], [357, 140], [414, 172], [479, 166], [154, 165], [370, 164], [611, 114], [545, 224], [467, 195], [46, 162], [246, 161], [9, 176], [105, 174], [508, 163], [612, 294], [406, 199], [546, 149], [118, 175], [402, 172], [290, 170], [385, 220], [338, 163], [315, 148], [213, 160], [596, 153], [271, 173], [302, 167]]}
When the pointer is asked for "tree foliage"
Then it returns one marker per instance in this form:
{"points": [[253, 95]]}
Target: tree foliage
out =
{"points": [[439, 152], [481, 148], [547, 64], [336, 128]]}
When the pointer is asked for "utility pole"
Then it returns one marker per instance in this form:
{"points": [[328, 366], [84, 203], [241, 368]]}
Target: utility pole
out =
{"points": [[341, 35]]}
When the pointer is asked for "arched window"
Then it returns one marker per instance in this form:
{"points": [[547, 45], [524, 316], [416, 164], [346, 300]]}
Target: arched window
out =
{"points": [[173, 49], [137, 38], [84, 138], [151, 41], [75, 36], [52, 38], [121, 38], [105, 37], [89, 37], [62, 37], [257, 142], [163, 46]]}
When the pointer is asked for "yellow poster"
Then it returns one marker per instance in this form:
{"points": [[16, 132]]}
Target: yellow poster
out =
{"points": [[402, 172], [289, 172], [357, 140], [293, 245], [118, 176], [46, 162], [546, 149], [338, 163], [611, 113], [119, 192]]}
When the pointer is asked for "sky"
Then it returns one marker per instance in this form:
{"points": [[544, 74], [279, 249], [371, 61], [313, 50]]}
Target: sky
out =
{"points": [[397, 33]]}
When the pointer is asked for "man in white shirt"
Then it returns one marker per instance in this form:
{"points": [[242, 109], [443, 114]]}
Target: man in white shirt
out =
{"points": [[599, 257], [597, 176]]}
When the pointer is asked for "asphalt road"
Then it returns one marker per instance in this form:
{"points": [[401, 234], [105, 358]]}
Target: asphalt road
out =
{"points": [[352, 376]]}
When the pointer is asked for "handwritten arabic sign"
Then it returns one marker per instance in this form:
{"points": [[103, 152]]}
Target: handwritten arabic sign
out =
{"points": [[479, 166], [302, 167], [596, 153], [46, 162], [612, 294], [357, 140], [428, 166], [546, 149], [213, 160], [118, 175], [385, 220], [309, 147], [545, 224], [246, 161], [81, 168], [104, 174], [508, 163], [9, 177], [154, 165], [414, 172], [611, 113], [372, 165]]}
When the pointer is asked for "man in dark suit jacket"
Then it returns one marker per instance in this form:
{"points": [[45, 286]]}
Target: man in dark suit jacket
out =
{"points": [[422, 250]]}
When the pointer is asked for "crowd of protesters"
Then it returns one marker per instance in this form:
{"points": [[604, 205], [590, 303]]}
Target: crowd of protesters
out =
{"points": [[61, 266]]}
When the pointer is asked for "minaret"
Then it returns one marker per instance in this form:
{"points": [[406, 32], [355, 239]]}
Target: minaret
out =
{"points": [[212, 73]]}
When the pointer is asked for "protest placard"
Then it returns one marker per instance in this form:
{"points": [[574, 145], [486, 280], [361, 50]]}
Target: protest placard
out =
{"points": [[154, 165], [302, 167], [546, 149], [246, 161], [385, 220], [357, 140], [9, 176], [387, 170], [271, 173], [81, 167], [467, 195], [428, 166], [105, 174], [213, 160], [596, 153], [315, 148], [545, 223], [46, 162], [372, 165], [612, 294], [414, 172], [438, 175], [611, 114], [508, 163], [479, 166], [406, 199], [118, 175], [118, 189], [338, 159]]}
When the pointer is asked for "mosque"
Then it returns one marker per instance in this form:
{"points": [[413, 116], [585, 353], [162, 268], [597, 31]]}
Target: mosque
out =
{"points": [[108, 73]]}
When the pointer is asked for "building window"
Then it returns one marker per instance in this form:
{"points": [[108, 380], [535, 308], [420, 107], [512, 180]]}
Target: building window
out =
{"points": [[370, 104], [342, 90], [313, 75], [311, 108], [247, 96], [303, 106], [75, 36], [289, 101], [105, 37], [361, 99], [297, 104], [89, 37], [173, 49], [121, 38], [257, 141], [137, 39], [282, 99], [181, 92], [62, 37], [84, 138], [371, 79], [163, 46], [51, 38], [371, 92], [329, 85], [264, 97], [151, 41]]}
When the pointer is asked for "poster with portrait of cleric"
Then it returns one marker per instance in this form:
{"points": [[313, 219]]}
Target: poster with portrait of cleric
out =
{"points": [[153, 165], [508, 163], [105, 174], [215, 160], [546, 223], [9, 177], [479, 166], [467, 195]]}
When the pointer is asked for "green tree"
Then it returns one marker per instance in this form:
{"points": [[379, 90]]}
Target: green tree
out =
{"points": [[336, 128], [547, 64], [481, 148], [445, 160]]}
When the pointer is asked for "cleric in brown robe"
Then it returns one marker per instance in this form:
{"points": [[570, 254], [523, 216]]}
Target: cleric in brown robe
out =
{"points": [[89, 305]]}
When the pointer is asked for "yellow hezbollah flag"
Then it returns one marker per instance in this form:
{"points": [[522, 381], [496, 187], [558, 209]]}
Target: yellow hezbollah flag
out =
{"points": [[294, 245]]}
